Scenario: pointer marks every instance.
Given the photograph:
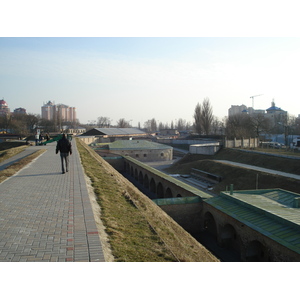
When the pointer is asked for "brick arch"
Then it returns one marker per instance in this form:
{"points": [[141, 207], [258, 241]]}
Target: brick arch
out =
{"points": [[160, 190], [146, 181], [228, 237], [152, 185], [256, 252], [210, 225], [168, 193], [141, 178], [131, 171]]}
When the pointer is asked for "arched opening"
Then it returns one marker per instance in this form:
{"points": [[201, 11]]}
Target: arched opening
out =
{"points": [[141, 178], [152, 186], [178, 196], [146, 182], [210, 224], [228, 237], [169, 193], [131, 171], [136, 177], [256, 252], [160, 190]]}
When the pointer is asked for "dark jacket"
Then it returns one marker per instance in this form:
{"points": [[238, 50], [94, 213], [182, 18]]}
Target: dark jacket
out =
{"points": [[64, 146]]}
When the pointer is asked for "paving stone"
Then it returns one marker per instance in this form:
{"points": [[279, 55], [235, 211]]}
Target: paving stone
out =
{"points": [[50, 217]]}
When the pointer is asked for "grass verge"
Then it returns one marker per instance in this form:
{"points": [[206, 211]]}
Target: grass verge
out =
{"points": [[8, 153], [17, 166], [138, 230]]}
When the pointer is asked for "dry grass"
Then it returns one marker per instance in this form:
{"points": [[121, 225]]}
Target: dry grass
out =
{"points": [[138, 229], [17, 166], [7, 153]]}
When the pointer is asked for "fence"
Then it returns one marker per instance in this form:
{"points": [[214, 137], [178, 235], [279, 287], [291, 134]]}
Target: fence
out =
{"points": [[242, 143]]}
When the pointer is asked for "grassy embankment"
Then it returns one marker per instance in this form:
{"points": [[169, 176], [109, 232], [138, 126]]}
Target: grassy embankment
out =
{"points": [[8, 150], [138, 230], [243, 179]]}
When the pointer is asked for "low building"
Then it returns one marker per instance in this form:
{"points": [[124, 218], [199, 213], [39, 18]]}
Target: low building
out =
{"points": [[206, 149], [108, 135], [141, 150]]}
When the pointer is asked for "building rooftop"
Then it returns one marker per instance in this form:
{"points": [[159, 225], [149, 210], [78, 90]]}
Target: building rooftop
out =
{"points": [[119, 131], [136, 145], [274, 213]]}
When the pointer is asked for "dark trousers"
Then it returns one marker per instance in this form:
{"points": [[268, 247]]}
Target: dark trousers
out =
{"points": [[64, 161]]}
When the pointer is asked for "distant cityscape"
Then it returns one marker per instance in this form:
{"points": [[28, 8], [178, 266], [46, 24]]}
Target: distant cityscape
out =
{"points": [[51, 111]]}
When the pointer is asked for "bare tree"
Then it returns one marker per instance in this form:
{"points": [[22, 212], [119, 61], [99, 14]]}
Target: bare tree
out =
{"points": [[181, 124], [206, 116], [239, 126], [216, 126], [103, 122], [150, 125], [259, 124], [197, 118], [122, 123]]}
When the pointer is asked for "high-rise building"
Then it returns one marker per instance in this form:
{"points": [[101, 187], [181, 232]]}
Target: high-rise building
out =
{"points": [[237, 109], [20, 110], [4, 109], [59, 112]]}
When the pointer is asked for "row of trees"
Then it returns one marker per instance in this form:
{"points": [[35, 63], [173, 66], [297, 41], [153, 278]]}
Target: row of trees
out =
{"points": [[240, 125], [26, 124]]}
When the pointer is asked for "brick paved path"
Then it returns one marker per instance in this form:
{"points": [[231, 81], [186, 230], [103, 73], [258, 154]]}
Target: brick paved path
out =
{"points": [[46, 215]]}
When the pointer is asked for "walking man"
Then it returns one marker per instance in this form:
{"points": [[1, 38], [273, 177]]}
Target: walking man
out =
{"points": [[65, 147]]}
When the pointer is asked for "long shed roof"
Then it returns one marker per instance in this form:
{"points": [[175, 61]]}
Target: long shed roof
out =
{"points": [[270, 212], [119, 131]]}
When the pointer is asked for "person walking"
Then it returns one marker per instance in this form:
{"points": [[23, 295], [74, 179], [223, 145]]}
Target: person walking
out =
{"points": [[65, 147], [37, 136]]}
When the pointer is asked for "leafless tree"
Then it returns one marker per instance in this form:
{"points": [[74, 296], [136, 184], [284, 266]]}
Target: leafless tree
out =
{"points": [[103, 122], [239, 126], [206, 116], [150, 125], [122, 123], [259, 123], [197, 118]]}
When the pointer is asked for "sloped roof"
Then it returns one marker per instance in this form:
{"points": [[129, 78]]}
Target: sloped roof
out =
{"points": [[136, 145], [118, 131], [269, 212]]}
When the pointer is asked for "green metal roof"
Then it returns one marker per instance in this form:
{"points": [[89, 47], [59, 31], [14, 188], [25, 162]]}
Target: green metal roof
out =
{"points": [[178, 200], [136, 145], [269, 212]]}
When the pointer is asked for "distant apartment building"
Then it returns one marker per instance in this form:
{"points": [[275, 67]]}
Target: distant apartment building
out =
{"points": [[20, 110], [4, 109], [62, 112], [237, 109], [273, 113]]}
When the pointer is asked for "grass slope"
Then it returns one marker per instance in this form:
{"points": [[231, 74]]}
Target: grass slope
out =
{"points": [[243, 179], [138, 229]]}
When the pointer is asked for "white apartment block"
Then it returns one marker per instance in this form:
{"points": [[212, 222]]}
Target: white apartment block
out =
{"points": [[51, 111]]}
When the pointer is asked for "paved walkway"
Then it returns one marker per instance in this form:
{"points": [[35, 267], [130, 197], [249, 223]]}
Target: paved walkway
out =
{"points": [[29, 150], [46, 215]]}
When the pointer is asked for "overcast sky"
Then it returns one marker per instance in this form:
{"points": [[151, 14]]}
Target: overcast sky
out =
{"points": [[140, 78]]}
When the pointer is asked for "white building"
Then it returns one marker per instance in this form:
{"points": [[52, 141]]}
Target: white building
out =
{"points": [[62, 112]]}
